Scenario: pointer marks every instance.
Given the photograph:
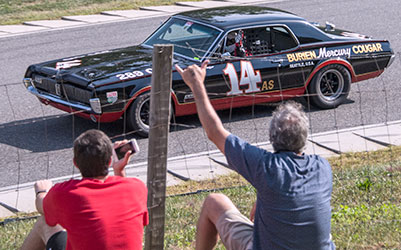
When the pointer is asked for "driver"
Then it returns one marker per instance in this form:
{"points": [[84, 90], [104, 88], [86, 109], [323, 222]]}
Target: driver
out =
{"points": [[234, 44], [230, 43]]}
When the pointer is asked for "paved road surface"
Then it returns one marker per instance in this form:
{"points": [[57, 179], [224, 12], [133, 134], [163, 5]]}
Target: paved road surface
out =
{"points": [[35, 140]]}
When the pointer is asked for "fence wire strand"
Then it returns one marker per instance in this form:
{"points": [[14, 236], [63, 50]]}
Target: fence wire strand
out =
{"points": [[181, 129]]}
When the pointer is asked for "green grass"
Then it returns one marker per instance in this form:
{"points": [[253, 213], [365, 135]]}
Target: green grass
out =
{"points": [[19, 11], [12, 234], [366, 204]]}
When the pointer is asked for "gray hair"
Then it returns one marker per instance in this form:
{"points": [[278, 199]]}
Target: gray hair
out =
{"points": [[289, 128]]}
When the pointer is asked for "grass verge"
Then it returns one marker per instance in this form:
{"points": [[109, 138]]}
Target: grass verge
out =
{"points": [[366, 204], [19, 11]]}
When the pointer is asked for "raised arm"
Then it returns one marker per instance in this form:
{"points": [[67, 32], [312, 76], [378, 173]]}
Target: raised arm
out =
{"points": [[194, 77]]}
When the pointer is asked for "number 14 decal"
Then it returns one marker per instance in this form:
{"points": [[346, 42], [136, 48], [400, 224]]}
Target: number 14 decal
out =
{"points": [[249, 78]]}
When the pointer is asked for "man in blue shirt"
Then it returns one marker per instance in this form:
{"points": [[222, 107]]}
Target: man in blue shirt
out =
{"points": [[292, 210]]}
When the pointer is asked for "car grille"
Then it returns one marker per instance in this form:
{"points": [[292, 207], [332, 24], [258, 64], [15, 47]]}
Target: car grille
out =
{"points": [[66, 91], [77, 94]]}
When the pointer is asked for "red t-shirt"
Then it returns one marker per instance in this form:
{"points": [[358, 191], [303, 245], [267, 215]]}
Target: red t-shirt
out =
{"points": [[99, 215]]}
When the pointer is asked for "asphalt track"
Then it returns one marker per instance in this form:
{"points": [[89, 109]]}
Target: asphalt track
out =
{"points": [[36, 140]]}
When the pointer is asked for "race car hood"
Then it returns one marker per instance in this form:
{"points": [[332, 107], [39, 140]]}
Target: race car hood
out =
{"points": [[87, 68]]}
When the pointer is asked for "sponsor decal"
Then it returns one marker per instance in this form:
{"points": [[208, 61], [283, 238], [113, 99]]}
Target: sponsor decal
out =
{"points": [[187, 25], [130, 75], [326, 53], [323, 53], [112, 97], [68, 64], [302, 64], [367, 48], [301, 56], [248, 82], [188, 97], [267, 85], [148, 70]]}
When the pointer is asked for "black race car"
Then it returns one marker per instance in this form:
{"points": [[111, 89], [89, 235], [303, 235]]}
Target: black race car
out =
{"points": [[256, 55]]}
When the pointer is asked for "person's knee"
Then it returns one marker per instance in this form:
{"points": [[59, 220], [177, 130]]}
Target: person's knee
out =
{"points": [[44, 230], [40, 222], [216, 204], [217, 199]]}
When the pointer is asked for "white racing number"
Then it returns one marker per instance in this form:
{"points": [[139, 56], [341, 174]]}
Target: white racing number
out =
{"points": [[129, 75], [249, 78]]}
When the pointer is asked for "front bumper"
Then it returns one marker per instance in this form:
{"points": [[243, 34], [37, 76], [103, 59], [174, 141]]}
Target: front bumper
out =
{"points": [[95, 106], [58, 100]]}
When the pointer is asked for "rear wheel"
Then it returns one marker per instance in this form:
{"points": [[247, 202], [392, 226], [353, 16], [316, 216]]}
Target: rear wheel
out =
{"points": [[330, 86]]}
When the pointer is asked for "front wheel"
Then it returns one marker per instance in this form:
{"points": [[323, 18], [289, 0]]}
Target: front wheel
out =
{"points": [[138, 115], [330, 86]]}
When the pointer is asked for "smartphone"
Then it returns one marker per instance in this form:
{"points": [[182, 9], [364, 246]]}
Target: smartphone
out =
{"points": [[121, 150]]}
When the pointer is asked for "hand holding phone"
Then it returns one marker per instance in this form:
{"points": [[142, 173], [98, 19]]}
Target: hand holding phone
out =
{"points": [[121, 150]]}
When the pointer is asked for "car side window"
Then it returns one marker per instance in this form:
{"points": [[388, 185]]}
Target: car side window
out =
{"points": [[258, 41], [282, 39], [307, 33], [235, 44], [266, 40]]}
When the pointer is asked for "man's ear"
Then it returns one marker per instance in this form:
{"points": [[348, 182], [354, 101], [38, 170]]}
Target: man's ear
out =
{"points": [[111, 162], [75, 164]]}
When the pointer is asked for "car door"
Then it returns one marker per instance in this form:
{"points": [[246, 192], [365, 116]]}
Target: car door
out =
{"points": [[261, 73]]}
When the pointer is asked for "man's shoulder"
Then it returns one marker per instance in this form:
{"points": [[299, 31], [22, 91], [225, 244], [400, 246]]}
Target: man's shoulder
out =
{"points": [[238, 143], [319, 158], [65, 185], [130, 181]]}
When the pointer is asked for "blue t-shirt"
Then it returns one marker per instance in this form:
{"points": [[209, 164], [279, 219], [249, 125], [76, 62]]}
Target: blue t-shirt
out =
{"points": [[293, 196]]}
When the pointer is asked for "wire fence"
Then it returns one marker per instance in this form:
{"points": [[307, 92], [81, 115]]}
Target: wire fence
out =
{"points": [[36, 140]]}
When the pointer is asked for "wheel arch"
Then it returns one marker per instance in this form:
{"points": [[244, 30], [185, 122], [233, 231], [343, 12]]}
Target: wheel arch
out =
{"points": [[133, 96], [323, 64]]}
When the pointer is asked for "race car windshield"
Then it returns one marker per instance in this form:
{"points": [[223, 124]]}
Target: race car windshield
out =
{"points": [[190, 39]]}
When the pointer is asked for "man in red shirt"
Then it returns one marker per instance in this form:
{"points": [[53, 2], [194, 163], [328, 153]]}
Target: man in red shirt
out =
{"points": [[96, 212]]}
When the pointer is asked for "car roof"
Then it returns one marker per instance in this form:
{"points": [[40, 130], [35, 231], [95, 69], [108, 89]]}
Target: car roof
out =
{"points": [[239, 16]]}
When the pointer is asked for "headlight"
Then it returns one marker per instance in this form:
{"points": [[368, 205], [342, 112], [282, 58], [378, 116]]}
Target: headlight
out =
{"points": [[95, 105]]}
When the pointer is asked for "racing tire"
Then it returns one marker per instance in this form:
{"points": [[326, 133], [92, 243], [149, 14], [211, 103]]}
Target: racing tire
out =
{"points": [[139, 115], [330, 86]]}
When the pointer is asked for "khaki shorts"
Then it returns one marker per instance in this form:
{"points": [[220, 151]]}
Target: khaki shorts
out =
{"points": [[235, 230]]}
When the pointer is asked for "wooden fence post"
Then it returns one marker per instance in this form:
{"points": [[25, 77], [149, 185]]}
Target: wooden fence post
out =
{"points": [[160, 97]]}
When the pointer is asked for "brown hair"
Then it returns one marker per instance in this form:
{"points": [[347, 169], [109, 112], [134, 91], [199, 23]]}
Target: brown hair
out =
{"points": [[92, 153]]}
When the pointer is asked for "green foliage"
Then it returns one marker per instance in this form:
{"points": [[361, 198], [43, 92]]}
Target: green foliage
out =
{"points": [[13, 234], [365, 185]]}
